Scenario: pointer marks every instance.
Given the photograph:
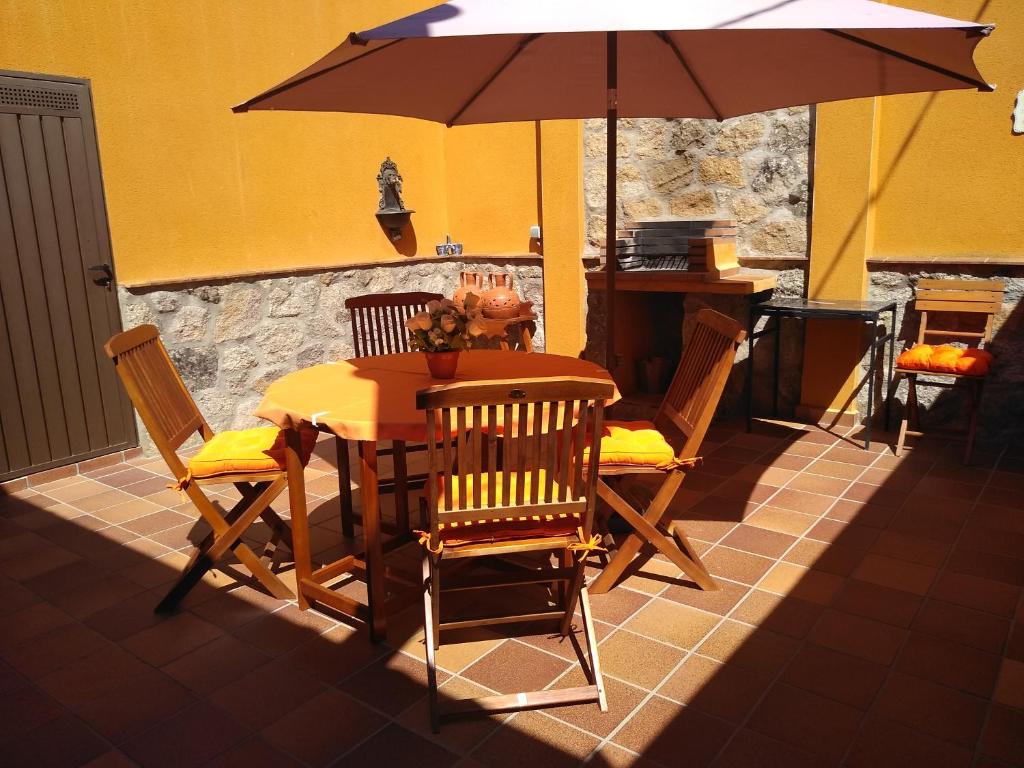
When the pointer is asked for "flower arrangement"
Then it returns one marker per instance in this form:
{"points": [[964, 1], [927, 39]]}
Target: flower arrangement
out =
{"points": [[443, 327]]}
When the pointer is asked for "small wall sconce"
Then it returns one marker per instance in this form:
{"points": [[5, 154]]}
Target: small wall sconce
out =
{"points": [[391, 211]]}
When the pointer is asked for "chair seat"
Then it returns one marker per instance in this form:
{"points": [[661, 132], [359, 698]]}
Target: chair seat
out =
{"points": [[502, 528], [945, 358], [247, 451], [632, 444]]}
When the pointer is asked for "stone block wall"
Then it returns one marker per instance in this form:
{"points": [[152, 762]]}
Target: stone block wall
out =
{"points": [[1001, 417], [752, 168], [231, 338]]}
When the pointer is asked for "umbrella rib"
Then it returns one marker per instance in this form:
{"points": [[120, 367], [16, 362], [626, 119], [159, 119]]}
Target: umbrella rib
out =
{"points": [[689, 71], [911, 59], [494, 76], [244, 107]]}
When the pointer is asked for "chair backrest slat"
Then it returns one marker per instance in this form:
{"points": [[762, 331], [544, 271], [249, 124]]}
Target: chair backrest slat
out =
{"points": [[696, 388], [378, 320], [542, 431], [156, 389], [972, 297]]}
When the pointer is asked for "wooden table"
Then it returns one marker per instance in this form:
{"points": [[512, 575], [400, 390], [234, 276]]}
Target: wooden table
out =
{"points": [[369, 399]]}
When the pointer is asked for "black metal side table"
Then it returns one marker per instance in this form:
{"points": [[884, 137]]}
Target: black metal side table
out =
{"points": [[801, 309]]}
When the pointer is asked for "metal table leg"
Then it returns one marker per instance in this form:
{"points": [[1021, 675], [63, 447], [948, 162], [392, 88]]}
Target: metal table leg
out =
{"points": [[749, 384], [870, 379], [892, 360], [775, 379]]}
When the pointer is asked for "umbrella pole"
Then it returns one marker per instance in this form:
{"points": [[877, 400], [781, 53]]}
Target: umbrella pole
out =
{"points": [[611, 262]]}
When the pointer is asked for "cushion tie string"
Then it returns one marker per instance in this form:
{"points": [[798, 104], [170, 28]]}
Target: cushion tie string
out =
{"points": [[425, 541], [586, 547], [678, 463], [182, 484]]}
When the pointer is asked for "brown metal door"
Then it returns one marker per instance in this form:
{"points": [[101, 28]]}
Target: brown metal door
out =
{"points": [[60, 401]]}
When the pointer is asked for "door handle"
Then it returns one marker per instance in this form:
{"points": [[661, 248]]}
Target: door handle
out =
{"points": [[103, 274]]}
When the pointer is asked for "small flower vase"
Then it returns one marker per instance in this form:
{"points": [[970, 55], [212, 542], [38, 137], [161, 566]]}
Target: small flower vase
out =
{"points": [[442, 365]]}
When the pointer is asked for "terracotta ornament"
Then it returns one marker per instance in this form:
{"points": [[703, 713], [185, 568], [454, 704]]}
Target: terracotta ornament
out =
{"points": [[469, 282], [500, 301]]}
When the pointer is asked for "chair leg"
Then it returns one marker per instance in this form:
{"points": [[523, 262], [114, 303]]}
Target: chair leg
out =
{"points": [[345, 488], [430, 638], [591, 638], [910, 409], [974, 393], [401, 486], [572, 590]]}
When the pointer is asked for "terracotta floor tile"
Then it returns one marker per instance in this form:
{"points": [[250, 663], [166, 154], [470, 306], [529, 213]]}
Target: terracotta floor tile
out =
{"points": [[873, 494], [743, 491], [190, 738], [127, 617], [750, 748], [748, 647], [515, 666], [92, 676], [801, 501], [835, 675], [806, 720], [1004, 735], [862, 513], [23, 710], [895, 480], [934, 709], [895, 574], [790, 461], [253, 753], [722, 690], [637, 659], [622, 700], [719, 601], [395, 745], [992, 541], [1010, 685], [61, 742], [864, 638], [171, 638], [51, 651], [781, 520], [126, 510], [828, 558], [458, 735], [661, 726], [758, 541], [156, 522], [758, 473], [283, 630], [115, 758], [843, 534], [1008, 570], [804, 450], [812, 483], [672, 623], [911, 548], [735, 453], [736, 566], [884, 743], [617, 605], [943, 661], [397, 681], [310, 731], [784, 615], [850, 456], [134, 705], [536, 740], [650, 577], [803, 583], [891, 606], [947, 488], [963, 625], [220, 662], [834, 469]]}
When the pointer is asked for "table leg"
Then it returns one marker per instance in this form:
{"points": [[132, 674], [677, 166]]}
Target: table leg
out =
{"points": [[873, 352], [749, 388], [775, 380], [375, 586], [300, 520], [892, 359]]}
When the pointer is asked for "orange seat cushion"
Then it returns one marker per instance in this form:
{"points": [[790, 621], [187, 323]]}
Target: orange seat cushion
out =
{"points": [[632, 444], [502, 528], [246, 451], [945, 358]]}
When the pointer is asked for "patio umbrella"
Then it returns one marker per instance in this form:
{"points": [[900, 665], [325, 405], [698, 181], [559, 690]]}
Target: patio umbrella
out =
{"points": [[487, 61]]}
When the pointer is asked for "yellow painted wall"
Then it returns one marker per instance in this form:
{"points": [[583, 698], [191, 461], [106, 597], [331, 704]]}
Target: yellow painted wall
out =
{"points": [[913, 175], [195, 190]]}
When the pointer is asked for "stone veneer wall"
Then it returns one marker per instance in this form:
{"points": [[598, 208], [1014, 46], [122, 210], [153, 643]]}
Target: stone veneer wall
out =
{"points": [[1002, 411], [752, 168], [231, 338]]}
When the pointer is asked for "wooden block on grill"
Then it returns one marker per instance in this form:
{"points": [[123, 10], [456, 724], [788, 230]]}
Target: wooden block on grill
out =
{"points": [[719, 257]]}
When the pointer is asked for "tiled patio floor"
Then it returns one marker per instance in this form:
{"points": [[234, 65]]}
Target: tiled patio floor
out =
{"points": [[870, 615]]}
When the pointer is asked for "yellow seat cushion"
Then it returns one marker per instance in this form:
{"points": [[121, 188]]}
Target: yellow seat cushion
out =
{"points": [[502, 528], [632, 444], [945, 358], [246, 451]]}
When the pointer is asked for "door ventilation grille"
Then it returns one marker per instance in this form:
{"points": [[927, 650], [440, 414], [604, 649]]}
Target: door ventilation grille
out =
{"points": [[39, 98]]}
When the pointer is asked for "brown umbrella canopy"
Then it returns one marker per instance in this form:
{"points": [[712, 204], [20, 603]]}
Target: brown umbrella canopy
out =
{"points": [[487, 61]]}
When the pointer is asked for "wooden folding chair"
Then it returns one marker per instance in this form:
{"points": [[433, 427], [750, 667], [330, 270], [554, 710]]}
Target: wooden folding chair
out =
{"points": [[976, 299], [682, 421], [541, 499], [378, 328], [171, 417]]}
